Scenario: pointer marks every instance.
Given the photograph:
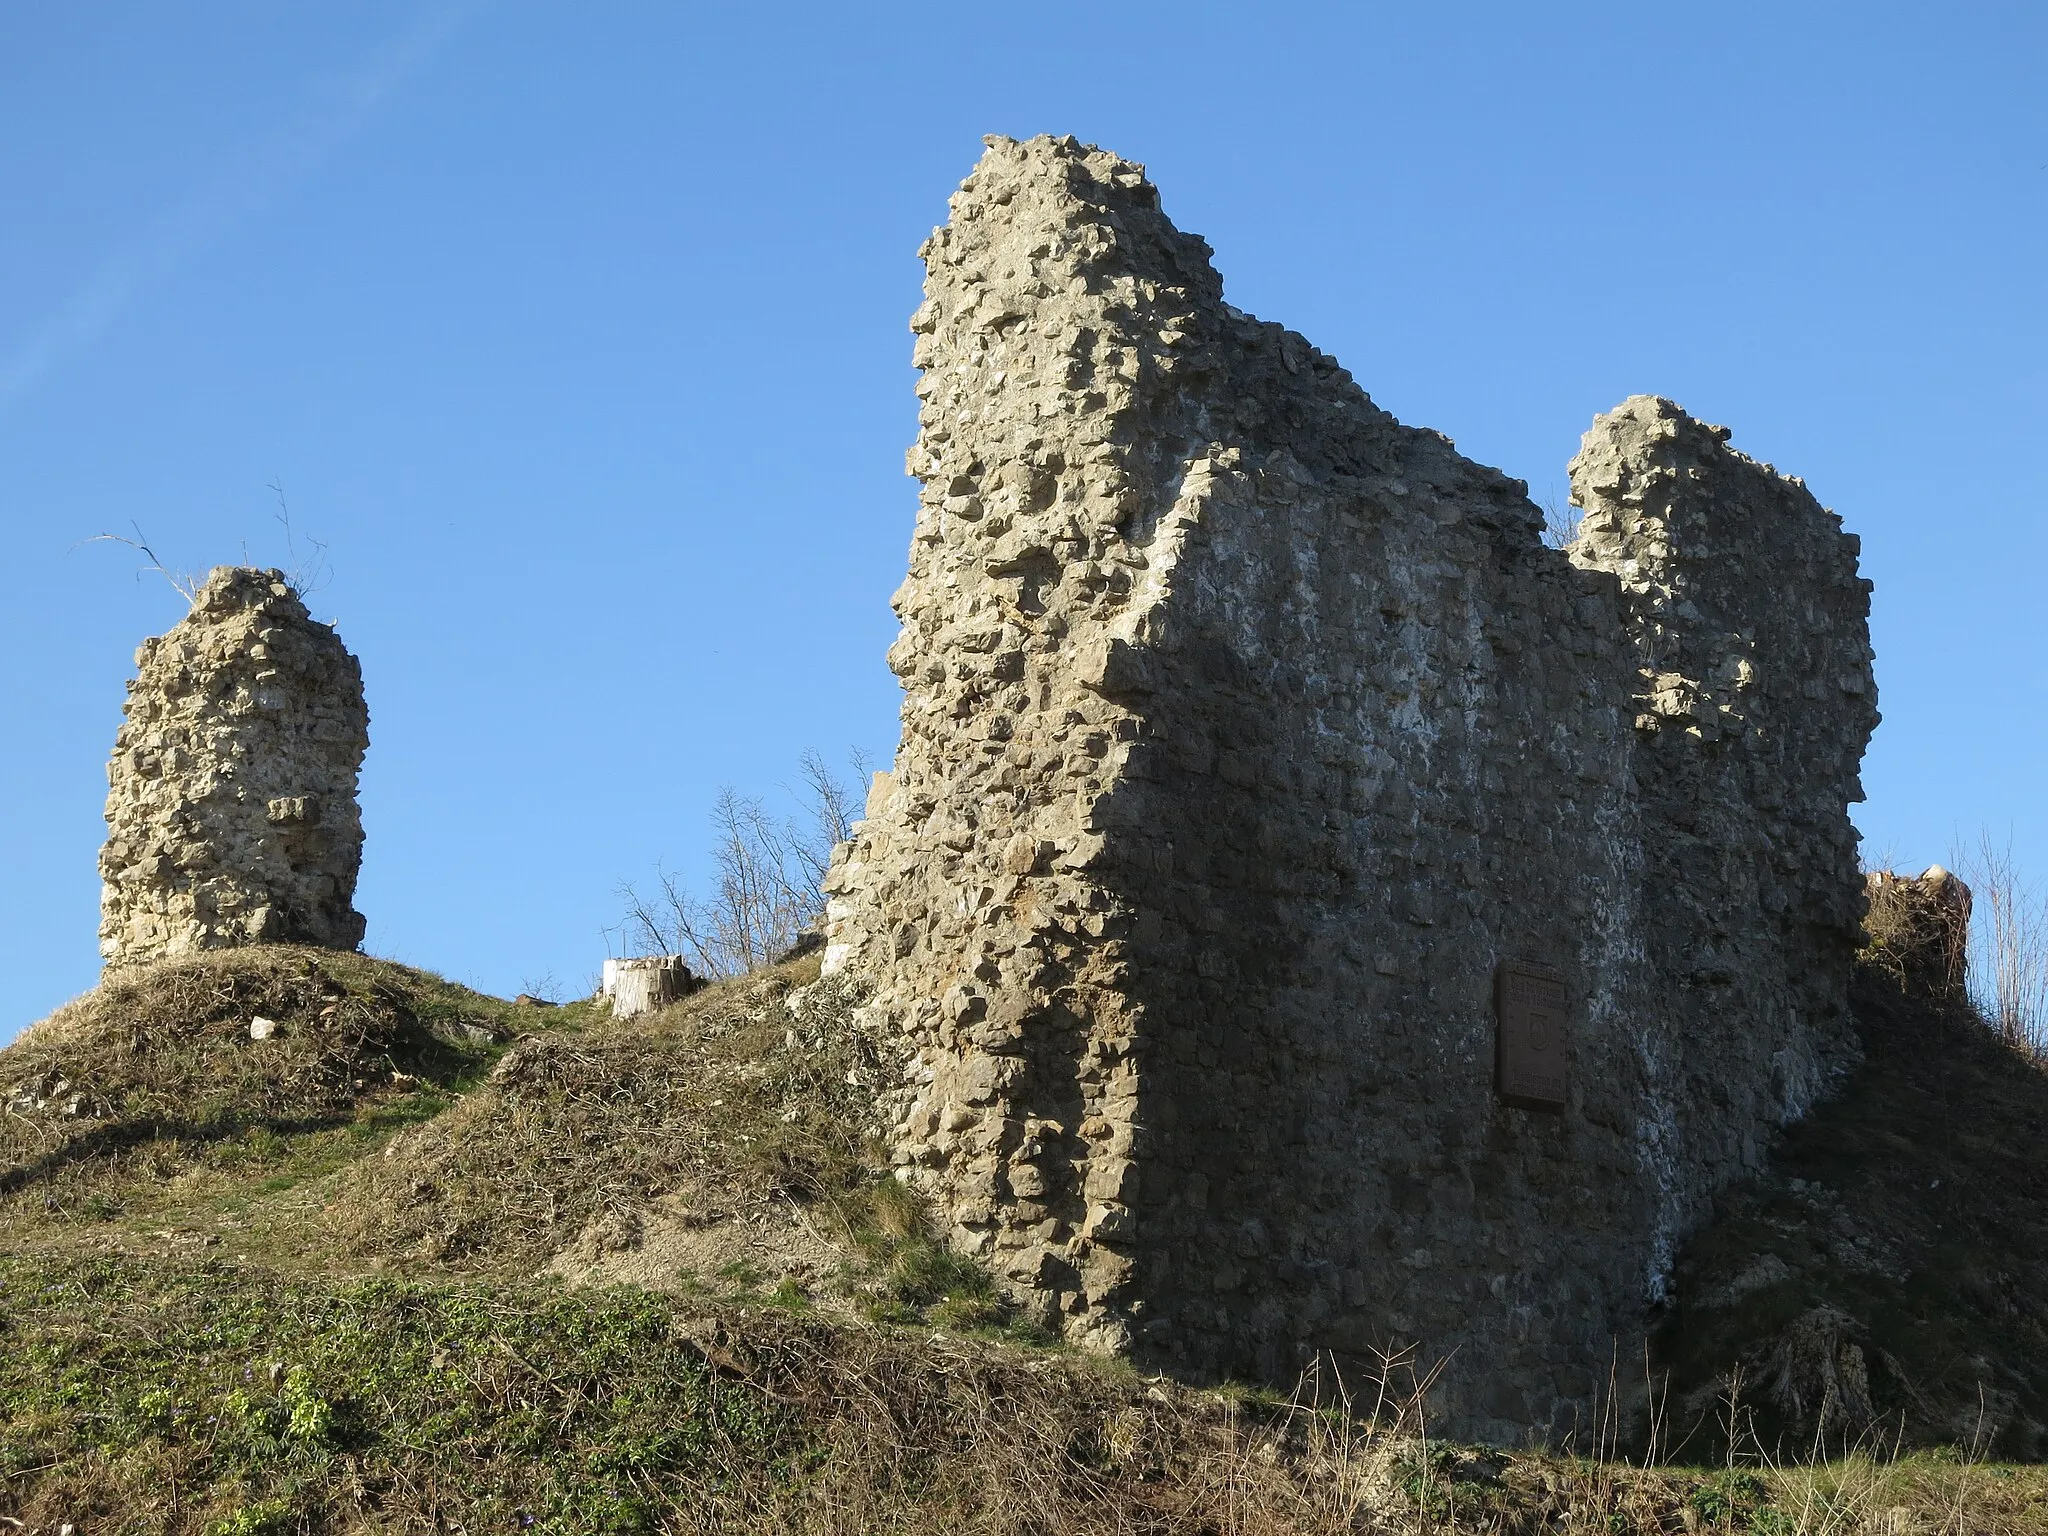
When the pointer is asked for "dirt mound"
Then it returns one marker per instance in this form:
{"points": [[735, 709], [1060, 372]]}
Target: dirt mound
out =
{"points": [[187, 1054], [723, 1137], [1888, 1281]]}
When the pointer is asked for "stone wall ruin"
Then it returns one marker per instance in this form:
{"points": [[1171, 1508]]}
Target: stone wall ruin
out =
{"points": [[231, 806], [1246, 734]]}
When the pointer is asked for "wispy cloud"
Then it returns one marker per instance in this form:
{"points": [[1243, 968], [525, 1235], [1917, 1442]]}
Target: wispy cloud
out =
{"points": [[224, 201]]}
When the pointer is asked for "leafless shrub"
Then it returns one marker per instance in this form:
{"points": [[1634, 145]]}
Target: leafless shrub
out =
{"points": [[1916, 930], [1561, 521], [310, 568], [767, 872], [544, 987], [308, 571], [2010, 963]]}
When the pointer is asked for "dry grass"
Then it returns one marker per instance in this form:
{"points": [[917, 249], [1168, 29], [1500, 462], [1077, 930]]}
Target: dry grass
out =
{"points": [[725, 1109], [150, 1386], [155, 1076], [134, 1398]]}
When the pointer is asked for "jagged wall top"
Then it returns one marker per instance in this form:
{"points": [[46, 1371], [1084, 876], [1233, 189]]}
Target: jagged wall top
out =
{"points": [[1244, 730], [231, 805], [1056, 233]]}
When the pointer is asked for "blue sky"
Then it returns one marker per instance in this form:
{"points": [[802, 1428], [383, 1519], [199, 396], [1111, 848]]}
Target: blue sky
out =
{"points": [[577, 334]]}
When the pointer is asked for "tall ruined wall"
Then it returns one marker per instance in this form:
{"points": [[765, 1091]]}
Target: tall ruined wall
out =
{"points": [[1245, 732], [1754, 700], [231, 808]]}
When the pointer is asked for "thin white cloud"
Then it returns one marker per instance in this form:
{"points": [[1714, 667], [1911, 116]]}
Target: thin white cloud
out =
{"points": [[221, 203]]}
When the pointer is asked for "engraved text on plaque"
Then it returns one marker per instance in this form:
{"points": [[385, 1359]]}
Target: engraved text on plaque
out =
{"points": [[1529, 1002]]}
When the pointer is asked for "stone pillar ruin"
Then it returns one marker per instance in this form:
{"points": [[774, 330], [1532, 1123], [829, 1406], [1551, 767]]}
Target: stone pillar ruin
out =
{"points": [[231, 807], [1250, 739]]}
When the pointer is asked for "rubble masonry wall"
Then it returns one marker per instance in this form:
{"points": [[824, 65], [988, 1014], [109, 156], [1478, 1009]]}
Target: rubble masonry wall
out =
{"points": [[1245, 732], [231, 804]]}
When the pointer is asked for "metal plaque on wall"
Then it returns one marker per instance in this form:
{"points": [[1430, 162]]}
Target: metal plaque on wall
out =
{"points": [[1529, 1057]]}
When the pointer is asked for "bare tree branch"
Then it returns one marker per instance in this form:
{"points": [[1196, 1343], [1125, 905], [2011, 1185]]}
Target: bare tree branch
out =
{"points": [[766, 876], [311, 571], [2011, 973]]}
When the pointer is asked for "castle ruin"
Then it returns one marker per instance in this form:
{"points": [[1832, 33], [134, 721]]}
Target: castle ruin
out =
{"points": [[1308, 915], [231, 806]]}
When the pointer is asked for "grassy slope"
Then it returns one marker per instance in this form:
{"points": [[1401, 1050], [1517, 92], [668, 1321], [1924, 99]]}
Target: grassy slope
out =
{"points": [[1898, 1252], [144, 1114], [317, 1282]]}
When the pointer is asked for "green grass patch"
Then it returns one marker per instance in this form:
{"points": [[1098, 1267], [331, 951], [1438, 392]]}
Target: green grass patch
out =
{"points": [[530, 1407]]}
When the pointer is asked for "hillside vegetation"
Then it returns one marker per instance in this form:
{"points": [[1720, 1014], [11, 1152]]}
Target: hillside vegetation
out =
{"points": [[419, 1259]]}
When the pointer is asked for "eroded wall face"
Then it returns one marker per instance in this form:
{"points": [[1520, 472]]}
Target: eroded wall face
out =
{"points": [[1053, 416], [1392, 736], [1749, 628], [231, 808], [1246, 732]]}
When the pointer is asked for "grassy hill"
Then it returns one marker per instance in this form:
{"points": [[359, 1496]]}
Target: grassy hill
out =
{"points": [[419, 1259]]}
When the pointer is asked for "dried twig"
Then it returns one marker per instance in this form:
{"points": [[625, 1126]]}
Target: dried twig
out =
{"points": [[186, 585], [310, 571]]}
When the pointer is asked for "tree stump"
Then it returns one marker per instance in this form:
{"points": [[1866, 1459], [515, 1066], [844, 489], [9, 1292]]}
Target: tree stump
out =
{"points": [[643, 983]]}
